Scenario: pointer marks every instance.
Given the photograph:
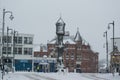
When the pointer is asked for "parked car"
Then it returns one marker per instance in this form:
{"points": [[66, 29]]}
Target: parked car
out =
{"points": [[103, 68]]}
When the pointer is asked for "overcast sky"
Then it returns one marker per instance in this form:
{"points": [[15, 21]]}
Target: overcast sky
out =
{"points": [[38, 17]]}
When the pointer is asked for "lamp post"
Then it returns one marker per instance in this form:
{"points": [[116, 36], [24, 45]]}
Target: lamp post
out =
{"points": [[113, 33], [7, 42], [14, 41], [113, 63], [7, 39], [3, 26], [105, 35]]}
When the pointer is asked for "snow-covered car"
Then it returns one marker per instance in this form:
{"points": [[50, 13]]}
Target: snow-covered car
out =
{"points": [[102, 68]]}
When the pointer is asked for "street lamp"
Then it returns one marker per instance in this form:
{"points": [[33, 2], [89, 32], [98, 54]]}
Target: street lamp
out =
{"points": [[113, 33], [3, 26], [105, 35], [7, 40], [113, 63]]}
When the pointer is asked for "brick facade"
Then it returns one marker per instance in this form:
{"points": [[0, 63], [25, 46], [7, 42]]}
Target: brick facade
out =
{"points": [[78, 56]]}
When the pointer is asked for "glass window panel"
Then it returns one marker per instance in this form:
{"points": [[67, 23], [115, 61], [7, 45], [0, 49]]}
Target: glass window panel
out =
{"points": [[25, 51], [15, 51], [30, 40], [25, 40], [19, 50], [20, 40], [9, 50], [15, 39], [30, 51]]}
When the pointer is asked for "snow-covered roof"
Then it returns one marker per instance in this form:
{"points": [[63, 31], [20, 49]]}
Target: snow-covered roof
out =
{"points": [[65, 39]]}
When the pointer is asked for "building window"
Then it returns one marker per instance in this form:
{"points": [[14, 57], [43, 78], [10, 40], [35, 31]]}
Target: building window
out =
{"points": [[25, 40], [9, 39], [19, 50], [15, 50], [79, 57], [19, 40], [25, 51], [28, 40], [15, 39], [9, 50], [28, 51], [4, 50]]}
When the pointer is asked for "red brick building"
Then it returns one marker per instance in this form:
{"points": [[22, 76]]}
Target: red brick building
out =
{"points": [[78, 55]]}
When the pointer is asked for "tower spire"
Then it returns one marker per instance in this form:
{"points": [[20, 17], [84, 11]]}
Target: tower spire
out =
{"points": [[78, 36]]}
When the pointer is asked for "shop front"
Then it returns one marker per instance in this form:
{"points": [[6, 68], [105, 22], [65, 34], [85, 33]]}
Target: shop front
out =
{"points": [[23, 65], [44, 65]]}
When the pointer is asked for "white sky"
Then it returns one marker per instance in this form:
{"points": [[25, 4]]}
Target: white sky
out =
{"points": [[38, 17]]}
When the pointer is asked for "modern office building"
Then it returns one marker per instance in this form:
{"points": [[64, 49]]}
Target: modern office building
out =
{"points": [[17, 53]]}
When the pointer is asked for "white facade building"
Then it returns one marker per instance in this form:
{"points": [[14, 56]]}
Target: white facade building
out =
{"points": [[21, 52]]}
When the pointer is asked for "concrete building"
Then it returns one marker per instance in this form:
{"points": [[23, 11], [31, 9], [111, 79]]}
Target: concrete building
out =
{"points": [[19, 56]]}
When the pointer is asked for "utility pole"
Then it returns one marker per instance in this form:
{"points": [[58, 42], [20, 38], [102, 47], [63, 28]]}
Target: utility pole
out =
{"points": [[14, 41], [113, 56], [105, 35], [3, 27], [7, 45]]}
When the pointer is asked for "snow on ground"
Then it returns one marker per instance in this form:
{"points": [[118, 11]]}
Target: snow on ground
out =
{"points": [[59, 76]]}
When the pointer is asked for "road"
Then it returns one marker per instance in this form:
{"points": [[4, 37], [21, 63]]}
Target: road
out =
{"points": [[34, 76], [86, 76], [59, 76]]}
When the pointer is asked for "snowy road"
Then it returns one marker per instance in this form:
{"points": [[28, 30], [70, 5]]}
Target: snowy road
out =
{"points": [[93, 77], [38, 77], [59, 76]]}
